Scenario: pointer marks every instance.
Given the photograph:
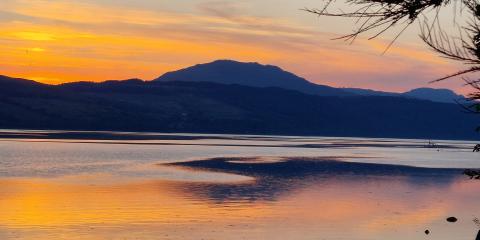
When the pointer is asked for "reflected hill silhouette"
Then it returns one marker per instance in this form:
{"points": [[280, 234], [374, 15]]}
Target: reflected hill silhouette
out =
{"points": [[284, 176]]}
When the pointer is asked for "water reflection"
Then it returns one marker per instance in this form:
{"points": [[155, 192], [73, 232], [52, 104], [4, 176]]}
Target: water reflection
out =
{"points": [[330, 199], [342, 203], [276, 177], [138, 189]]}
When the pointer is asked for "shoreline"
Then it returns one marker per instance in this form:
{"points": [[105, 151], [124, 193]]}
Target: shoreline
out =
{"points": [[146, 135]]}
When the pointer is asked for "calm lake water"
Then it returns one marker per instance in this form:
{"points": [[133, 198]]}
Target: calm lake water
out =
{"points": [[91, 185]]}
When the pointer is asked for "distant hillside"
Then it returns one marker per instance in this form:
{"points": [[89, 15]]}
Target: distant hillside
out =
{"points": [[370, 92], [257, 75], [249, 74], [202, 107], [430, 94], [17, 85], [436, 95]]}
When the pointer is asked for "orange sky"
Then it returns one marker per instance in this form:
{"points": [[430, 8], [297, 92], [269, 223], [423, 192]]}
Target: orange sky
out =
{"points": [[59, 41]]}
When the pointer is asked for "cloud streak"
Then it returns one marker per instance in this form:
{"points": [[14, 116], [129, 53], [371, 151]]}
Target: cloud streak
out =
{"points": [[82, 40]]}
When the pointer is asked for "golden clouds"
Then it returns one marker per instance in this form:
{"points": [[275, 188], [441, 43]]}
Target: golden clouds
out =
{"points": [[33, 36], [84, 40], [106, 47], [36, 49]]}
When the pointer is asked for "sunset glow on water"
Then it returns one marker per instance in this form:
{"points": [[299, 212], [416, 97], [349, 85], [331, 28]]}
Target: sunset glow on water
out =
{"points": [[232, 120], [127, 191]]}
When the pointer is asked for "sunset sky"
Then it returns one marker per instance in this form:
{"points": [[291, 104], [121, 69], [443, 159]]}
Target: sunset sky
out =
{"points": [[55, 41]]}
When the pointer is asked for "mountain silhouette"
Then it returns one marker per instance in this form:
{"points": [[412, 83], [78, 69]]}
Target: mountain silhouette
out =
{"points": [[370, 92], [206, 107], [429, 94], [258, 75], [436, 95], [249, 74]]}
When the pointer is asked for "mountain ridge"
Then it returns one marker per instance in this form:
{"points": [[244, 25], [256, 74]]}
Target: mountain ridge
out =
{"points": [[249, 74], [257, 75], [206, 107], [300, 84]]}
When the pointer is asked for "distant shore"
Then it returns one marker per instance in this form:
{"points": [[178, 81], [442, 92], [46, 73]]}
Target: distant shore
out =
{"points": [[143, 135]]}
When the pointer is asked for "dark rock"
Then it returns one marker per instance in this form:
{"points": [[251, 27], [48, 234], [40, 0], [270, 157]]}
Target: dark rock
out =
{"points": [[478, 236], [427, 232], [476, 148], [452, 219], [473, 174]]}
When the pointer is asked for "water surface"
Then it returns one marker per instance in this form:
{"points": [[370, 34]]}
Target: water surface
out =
{"points": [[64, 185]]}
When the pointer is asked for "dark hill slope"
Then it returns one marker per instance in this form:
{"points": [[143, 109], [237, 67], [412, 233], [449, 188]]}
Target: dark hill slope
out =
{"points": [[249, 74], [217, 108]]}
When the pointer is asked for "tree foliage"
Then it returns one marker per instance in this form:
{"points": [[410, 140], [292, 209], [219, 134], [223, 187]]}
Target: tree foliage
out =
{"points": [[375, 17]]}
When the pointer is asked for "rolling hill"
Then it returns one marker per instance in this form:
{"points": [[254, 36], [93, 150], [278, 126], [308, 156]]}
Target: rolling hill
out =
{"points": [[258, 75], [249, 74], [207, 107]]}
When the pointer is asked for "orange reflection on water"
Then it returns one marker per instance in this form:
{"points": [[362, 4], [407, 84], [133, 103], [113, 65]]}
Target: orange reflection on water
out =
{"points": [[40, 203], [332, 208]]}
